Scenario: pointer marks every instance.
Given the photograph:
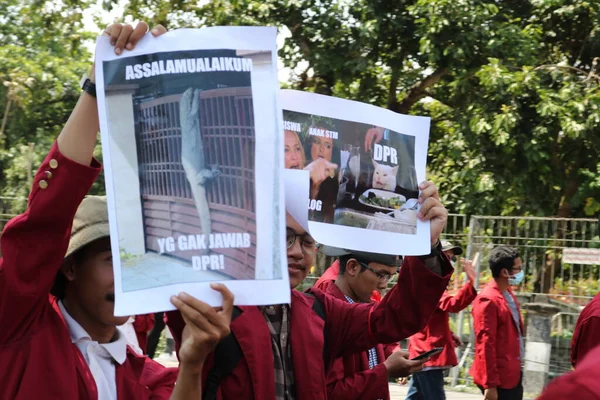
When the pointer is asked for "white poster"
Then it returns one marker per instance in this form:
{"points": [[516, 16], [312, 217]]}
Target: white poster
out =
{"points": [[183, 119], [365, 164]]}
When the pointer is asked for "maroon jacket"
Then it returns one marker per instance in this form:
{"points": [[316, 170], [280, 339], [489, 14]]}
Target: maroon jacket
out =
{"points": [[497, 347], [581, 384], [437, 333], [37, 358], [142, 325], [350, 376], [586, 336], [350, 328]]}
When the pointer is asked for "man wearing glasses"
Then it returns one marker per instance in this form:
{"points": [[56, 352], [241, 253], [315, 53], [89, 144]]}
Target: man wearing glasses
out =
{"points": [[499, 349], [365, 374]]}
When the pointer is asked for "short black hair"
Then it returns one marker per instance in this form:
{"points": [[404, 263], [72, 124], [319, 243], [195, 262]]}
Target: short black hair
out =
{"points": [[344, 261], [59, 288], [502, 257]]}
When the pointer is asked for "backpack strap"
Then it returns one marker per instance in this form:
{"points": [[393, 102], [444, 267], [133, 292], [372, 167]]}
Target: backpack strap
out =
{"points": [[319, 309], [226, 356]]}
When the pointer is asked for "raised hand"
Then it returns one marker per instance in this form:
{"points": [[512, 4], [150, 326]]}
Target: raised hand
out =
{"points": [[205, 326], [432, 209]]}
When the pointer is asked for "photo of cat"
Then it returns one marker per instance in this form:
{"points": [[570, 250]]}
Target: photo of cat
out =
{"points": [[384, 176]]}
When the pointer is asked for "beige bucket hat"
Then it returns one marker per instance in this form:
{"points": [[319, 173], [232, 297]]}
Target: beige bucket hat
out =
{"points": [[90, 223]]}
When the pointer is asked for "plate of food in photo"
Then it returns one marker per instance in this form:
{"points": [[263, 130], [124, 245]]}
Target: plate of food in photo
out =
{"points": [[382, 199]]}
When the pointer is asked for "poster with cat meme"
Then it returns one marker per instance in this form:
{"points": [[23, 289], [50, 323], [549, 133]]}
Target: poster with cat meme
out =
{"points": [[365, 164], [183, 119]]}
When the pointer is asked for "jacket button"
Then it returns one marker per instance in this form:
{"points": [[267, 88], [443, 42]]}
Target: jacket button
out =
{"points": [[48, 174], [53, 163], [43, 184]]}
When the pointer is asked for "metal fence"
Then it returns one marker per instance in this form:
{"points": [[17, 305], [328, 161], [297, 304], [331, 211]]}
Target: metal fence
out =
{"points": [[541, 243]]}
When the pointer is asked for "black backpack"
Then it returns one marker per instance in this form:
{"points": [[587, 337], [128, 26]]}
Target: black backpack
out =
{"points": [[228, 353]]}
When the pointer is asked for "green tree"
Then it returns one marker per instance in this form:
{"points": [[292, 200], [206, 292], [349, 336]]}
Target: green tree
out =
{"points": [[512, 86], [43, 57]]}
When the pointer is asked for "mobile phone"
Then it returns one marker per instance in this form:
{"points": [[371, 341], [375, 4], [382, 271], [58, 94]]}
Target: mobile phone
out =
{"points": [[427, 354]]}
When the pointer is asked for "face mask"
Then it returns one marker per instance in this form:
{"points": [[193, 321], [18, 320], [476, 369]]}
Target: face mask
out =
{"points": [[517, 278]]}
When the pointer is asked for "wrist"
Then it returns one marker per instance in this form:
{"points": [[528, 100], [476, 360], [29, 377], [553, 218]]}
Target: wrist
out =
{"points": [[191, 368]]}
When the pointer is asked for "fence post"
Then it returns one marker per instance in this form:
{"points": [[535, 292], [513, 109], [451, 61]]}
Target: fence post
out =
{"points": [[461, 315], [539, 345]]}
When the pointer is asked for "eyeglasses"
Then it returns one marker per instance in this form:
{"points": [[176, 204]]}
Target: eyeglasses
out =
{"points": [[306, 241], [383, 278]]}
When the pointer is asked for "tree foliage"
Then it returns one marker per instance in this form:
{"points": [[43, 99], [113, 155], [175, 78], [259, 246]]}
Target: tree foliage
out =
{"points": [[512, 86], [43, 58]]}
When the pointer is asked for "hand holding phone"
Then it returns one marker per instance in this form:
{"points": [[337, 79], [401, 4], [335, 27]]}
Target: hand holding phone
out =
{"points": [[427, 354]]}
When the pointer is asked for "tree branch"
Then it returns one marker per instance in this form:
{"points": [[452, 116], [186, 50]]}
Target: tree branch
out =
{"points": [[392, 101], [418, 90]]}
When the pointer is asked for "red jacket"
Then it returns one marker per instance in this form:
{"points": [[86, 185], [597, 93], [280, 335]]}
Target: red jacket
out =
{"points": [[581, 384], [350, 328], [142, 325], [37, 358], [350, 376], [332, 273], [437, 333], [497, 347], [586, 335]]}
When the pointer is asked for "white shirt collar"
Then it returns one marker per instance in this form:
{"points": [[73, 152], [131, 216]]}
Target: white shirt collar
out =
{"points": [[117, 349]]}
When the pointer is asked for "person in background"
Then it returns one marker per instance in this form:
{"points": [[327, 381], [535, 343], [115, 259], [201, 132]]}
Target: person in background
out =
{"points": [[499, 350], [365, 374], [59, 337], [142, 325], [581, 384], [429, 383], [155, 333], [586, 336], [332, 273]]}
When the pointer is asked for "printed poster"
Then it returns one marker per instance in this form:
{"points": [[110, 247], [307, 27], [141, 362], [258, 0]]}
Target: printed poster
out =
{"points": [[184, 118], [365, 164]]}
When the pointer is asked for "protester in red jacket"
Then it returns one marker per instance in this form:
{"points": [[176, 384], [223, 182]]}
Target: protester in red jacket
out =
{"points": [[142, 325], [68, 347], [586, 337], [581, 384], [332, 273], [289, 363], [429, 383], [365, 374], [499, 349]]}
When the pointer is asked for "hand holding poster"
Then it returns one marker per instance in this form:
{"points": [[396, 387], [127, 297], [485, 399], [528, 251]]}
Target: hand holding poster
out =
{"points": [[188, 205], [365, 165]]}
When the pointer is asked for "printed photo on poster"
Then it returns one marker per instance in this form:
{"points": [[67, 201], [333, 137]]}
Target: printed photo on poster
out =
{"points": [[363, 175], [181, 136]]}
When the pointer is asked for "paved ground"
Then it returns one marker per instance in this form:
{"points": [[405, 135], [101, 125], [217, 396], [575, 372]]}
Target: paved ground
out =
{"points": [[399, 392], [153, 270]]}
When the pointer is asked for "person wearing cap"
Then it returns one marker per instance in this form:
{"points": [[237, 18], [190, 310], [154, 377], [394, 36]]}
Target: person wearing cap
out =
{"points": [[365, 374], [451, 250], [287, 350], [66, 345], [428, 384]]}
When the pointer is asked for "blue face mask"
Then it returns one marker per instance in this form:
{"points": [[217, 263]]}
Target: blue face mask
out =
{"points": [[517, 278]]}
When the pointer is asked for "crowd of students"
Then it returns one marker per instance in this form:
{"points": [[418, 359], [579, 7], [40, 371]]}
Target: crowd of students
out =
{"points": [[59, 338]]}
